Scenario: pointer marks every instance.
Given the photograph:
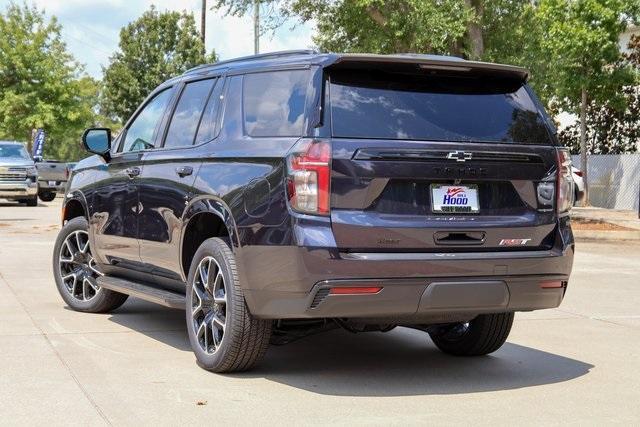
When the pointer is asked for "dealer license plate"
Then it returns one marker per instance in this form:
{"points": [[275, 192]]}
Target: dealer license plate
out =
{"points": [[454, 198]]}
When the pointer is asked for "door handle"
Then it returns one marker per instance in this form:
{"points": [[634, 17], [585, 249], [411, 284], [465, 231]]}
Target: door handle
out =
{"points": [[132, 172], [183, 171]]}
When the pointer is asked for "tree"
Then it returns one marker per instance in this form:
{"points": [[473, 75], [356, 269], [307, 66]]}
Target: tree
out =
{"points": [[581, 48], [377, 26], [610, 129], [40, 84], [152, 49], [381, 26]]}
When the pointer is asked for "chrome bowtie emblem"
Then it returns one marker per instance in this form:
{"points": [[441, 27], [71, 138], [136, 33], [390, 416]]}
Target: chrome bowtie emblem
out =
{"points": [[459, 156]]}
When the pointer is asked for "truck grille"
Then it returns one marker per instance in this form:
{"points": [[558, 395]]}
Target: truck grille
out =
{"points": [[13, 174]]}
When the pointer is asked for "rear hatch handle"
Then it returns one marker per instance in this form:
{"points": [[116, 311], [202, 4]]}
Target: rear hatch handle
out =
{"points": [[459, 237]]}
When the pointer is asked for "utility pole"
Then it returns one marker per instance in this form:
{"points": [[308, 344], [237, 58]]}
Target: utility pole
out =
{"points": [[256, 26], [203, 23]]}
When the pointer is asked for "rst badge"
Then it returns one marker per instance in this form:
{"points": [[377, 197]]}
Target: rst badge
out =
{"points": [[514, 242], [454, 198]]}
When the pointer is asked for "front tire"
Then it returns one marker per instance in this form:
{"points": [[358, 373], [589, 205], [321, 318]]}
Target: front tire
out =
{"points": [[482, 335], [224, 336], [75, 271], [33, 201]]}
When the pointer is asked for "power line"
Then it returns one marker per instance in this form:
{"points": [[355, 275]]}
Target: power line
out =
{"points": [[88, 44], [104, 37]]}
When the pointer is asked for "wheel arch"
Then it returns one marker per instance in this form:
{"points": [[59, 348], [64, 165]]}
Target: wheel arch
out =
{"points": [[205, 217], [74, 206]]}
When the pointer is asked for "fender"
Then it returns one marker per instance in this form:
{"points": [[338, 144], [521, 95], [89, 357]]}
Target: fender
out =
{"points": [[75, 195]]}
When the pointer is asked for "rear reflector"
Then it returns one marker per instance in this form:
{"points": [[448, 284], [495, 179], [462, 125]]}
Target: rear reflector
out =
{"points": [[355, 290], [551, 284]]}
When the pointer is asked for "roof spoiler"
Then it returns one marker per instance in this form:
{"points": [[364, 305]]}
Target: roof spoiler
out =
{"points": [[433, 62]]}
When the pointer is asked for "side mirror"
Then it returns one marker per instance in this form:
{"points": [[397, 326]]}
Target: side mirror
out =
{"points": [[98, 141]]}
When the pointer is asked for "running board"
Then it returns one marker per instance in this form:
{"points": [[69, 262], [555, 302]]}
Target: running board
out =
{"points": [[145, 292]]}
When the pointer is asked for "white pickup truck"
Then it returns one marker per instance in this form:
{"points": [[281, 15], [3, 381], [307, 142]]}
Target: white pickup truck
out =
{"points": [[18, 174]]}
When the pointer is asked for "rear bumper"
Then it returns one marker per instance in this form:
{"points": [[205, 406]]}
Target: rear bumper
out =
{"points": [[293, 282], [409, 299], [58, 186], [18, 190]]}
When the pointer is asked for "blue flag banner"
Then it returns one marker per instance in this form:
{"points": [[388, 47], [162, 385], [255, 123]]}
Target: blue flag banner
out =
{"points": [[38, 144]]}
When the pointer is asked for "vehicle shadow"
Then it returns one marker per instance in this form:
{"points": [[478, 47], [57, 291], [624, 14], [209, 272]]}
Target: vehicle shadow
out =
{"points": [[160, 323], [403, 362], [12, 204]]}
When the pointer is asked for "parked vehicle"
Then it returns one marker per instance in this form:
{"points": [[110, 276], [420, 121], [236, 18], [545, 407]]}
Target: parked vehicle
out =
{"points": [[280, 195], [576, 175], [52, 178], [18, 174]]}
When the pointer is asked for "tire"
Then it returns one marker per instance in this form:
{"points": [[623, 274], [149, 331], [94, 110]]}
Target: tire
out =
{"points": [[482, 335], [33, 201], [85, 296], [47, 197], [224, 336]]}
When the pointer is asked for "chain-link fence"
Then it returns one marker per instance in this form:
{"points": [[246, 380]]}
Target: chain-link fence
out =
{"points": [[614, 180]]}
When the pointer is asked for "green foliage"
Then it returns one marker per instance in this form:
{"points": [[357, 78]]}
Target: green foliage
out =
{"points": [[580, 46], [512, 35], [40, 84], [611, 130], [381, 26], [153, 48]]}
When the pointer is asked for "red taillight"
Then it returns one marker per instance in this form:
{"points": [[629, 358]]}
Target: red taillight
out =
{"points": [[564, 183], [355, 290], [552, 284], [309, 174]]}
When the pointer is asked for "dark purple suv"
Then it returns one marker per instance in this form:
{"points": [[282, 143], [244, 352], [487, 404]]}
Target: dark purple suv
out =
{"points": [[285, 194]]}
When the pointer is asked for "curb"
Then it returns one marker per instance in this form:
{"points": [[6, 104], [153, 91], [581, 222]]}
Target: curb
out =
{"points": [[632, 235]]}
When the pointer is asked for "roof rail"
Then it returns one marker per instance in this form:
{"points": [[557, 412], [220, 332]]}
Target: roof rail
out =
{"points": [[269, 55]]}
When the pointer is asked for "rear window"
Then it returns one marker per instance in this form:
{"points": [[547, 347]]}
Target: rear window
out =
{"points": [[274, 103], [439, 108]]}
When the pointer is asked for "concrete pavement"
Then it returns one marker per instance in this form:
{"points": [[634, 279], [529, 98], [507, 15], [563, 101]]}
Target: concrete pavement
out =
{"points": [[578, 364]]}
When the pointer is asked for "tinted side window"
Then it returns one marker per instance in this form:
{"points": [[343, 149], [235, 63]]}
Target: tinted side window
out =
{"points": [[141, 132], [274, 103], [185, 119], [207, 128]]}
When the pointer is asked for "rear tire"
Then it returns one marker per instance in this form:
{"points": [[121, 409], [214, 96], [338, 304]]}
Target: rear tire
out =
{"points": [[224, 336], [482, 335], [47, 197], [72, 256]]}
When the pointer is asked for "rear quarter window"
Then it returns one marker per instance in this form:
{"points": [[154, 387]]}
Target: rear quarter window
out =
{"points": [[274, 102]]}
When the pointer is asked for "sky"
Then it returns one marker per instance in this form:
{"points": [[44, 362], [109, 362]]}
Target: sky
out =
{"points": [[91, 28]]}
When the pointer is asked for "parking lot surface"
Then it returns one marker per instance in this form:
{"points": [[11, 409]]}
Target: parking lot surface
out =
{"points": [[578, 364]]}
